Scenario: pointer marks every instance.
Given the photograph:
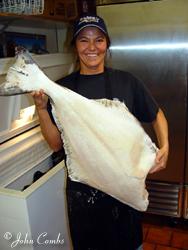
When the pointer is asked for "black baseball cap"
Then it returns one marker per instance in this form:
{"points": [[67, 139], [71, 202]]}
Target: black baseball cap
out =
{"points": [[90, 20]]}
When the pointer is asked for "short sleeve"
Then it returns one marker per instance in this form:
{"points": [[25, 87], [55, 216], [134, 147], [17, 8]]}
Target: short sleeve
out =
{"points": [[145, 107]]}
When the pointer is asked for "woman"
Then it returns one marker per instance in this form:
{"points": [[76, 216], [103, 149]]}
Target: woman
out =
{"points": [[98, 221]]}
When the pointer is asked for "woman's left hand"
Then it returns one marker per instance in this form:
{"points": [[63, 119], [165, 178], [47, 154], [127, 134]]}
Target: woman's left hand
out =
{"points": [[160, 160]]}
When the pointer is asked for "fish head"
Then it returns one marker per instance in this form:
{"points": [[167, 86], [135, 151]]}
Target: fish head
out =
{"points": [[23, 77]]}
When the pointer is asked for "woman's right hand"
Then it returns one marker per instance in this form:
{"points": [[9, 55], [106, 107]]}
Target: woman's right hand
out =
{"points": [[40, 99], [54, 137]]}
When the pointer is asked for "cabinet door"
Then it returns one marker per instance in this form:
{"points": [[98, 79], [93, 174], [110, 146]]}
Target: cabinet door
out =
{"points": [[60, 9]]}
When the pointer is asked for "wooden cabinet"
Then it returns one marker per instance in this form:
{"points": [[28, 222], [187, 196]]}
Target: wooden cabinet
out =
{"points": [[65, 10]]}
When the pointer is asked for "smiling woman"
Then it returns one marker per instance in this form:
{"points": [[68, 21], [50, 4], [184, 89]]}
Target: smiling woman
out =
{"points": [[98, 221]]}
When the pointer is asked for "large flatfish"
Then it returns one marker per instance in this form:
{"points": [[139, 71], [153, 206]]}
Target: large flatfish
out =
{"points": [[106, 146]]}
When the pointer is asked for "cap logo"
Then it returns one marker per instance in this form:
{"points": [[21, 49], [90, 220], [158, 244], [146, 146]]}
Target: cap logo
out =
{"points": [[88, 19]]}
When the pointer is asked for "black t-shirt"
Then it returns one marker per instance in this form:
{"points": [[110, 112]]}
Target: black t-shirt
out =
{"points": [[123, 86]]}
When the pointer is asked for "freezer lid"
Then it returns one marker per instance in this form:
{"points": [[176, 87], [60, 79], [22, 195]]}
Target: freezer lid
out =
{"points": [[21, 154]]}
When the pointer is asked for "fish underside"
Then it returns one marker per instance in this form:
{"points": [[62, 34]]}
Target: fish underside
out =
{"points": [[106, 146]]}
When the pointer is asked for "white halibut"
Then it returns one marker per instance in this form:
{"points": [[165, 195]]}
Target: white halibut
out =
{"points": [[106, 146]]}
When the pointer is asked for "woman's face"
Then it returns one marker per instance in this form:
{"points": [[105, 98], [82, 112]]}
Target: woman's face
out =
{"points": [[91, 45]]}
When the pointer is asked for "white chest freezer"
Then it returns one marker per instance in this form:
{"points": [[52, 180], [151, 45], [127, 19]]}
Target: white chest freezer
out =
{"points": [[35, 218]]}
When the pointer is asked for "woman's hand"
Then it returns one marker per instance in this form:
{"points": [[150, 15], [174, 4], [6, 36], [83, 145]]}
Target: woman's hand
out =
{"points": [[48, 128], [160, 160], [40, 99]]}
